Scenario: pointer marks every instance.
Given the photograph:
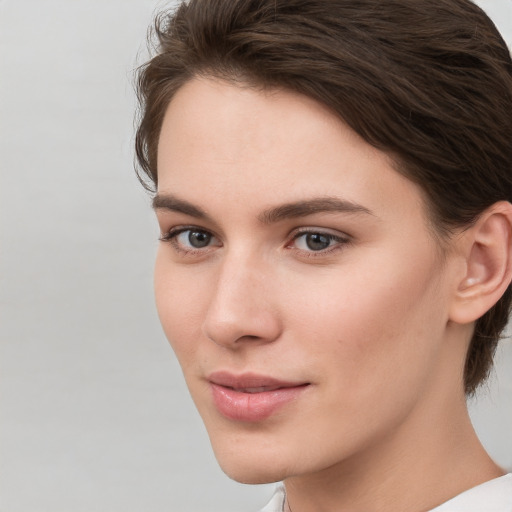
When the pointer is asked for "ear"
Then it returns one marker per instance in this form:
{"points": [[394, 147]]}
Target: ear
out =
{"points": [[488, 259]]}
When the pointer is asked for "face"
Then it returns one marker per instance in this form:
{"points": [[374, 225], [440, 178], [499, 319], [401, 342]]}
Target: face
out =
{"points": [[297, 280]]}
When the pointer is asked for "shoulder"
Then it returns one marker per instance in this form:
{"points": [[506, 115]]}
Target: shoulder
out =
{"points": [[492, 496], [276, 504]]}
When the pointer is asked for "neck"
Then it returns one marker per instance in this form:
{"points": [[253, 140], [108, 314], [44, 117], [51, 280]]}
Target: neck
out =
{"points": [[430, 458]]}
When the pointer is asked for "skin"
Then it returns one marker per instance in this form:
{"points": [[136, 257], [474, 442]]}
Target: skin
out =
{"points": [[367, 322]]}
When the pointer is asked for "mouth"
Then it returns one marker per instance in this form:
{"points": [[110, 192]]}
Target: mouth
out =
{"points": [[251, 397], [255, 390]]}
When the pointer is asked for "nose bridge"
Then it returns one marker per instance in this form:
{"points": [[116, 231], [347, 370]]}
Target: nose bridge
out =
{"points": [[242, 306]]}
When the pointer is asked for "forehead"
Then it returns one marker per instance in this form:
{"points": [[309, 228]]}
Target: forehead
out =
{"points": [[257, 148], [237, 121]]}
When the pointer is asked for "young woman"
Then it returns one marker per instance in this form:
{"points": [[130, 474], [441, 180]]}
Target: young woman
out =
{"points": [[333, 183]]}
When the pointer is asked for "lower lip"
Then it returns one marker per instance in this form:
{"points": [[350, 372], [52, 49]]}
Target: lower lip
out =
{"points": [[252, 407]]}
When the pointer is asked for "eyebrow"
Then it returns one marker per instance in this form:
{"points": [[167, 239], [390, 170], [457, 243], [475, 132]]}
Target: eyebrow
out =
{"points": [[272, 215], [172, 203], [310, 207]]}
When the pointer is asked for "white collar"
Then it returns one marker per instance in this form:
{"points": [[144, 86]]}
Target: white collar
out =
{"points": [[492, 496]]}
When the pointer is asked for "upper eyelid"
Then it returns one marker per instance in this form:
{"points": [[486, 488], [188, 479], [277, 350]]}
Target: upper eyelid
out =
{"points": [[323, 231], [170, 236], [174, 230], [331, 236], [172, 218], [340, 236], [295, 232]]}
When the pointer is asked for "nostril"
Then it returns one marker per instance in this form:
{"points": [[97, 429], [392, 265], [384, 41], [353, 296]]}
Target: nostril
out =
{"points": [[236, 317], [233, 341]]}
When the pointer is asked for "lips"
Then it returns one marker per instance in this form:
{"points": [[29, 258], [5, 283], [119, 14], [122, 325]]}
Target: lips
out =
{"points": [[250, 397]]}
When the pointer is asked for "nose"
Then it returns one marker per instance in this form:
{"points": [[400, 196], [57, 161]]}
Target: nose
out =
{"points": [[242, 308]]}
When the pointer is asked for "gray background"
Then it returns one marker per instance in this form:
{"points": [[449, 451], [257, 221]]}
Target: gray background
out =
{"points": [[94, 415]]}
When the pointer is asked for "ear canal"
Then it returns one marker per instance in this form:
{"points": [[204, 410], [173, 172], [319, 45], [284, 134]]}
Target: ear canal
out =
{"points": [[468, 283], [488, 264], [479, 267]]}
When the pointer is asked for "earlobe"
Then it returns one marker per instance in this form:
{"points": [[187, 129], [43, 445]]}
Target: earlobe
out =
{"points": [[488, 259]]}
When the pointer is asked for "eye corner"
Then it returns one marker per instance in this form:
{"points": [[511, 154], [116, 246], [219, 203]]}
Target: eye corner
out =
{"points": [[316, 242], [190, 241]]}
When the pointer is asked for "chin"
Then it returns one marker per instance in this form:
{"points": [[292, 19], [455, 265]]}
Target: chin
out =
{"points": [[252, 474], [249, 464]]}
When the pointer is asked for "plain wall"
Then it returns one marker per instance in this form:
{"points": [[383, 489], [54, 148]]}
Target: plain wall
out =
{"points": [[94, 414]]}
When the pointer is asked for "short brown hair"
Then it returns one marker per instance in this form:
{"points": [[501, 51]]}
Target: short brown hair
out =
{"points": [[428, 82]]}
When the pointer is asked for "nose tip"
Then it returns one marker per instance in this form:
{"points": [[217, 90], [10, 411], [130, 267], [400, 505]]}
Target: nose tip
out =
{"points": [[241, 311], [232, 331]]}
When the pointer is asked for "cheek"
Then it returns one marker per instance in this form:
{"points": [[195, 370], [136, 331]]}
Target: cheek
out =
{"points": [[181, 304], [373, 322]]}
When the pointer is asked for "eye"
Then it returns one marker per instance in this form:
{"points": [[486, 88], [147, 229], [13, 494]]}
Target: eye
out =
{"points": [[190, 239], [194, 238], [318, 241]]}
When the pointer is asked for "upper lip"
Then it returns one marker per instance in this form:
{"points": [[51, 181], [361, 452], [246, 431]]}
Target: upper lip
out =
{"points": [[250, 382]]}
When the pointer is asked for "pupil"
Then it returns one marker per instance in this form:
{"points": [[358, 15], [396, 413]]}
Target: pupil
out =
{"points": [[199, 239], [317, 242]]}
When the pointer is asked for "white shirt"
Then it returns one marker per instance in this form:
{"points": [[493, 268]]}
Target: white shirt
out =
{"points": [[492, 496]]}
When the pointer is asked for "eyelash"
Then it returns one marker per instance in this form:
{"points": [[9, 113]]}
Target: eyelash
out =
{"points": [[341, 241], [172, 235]]}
